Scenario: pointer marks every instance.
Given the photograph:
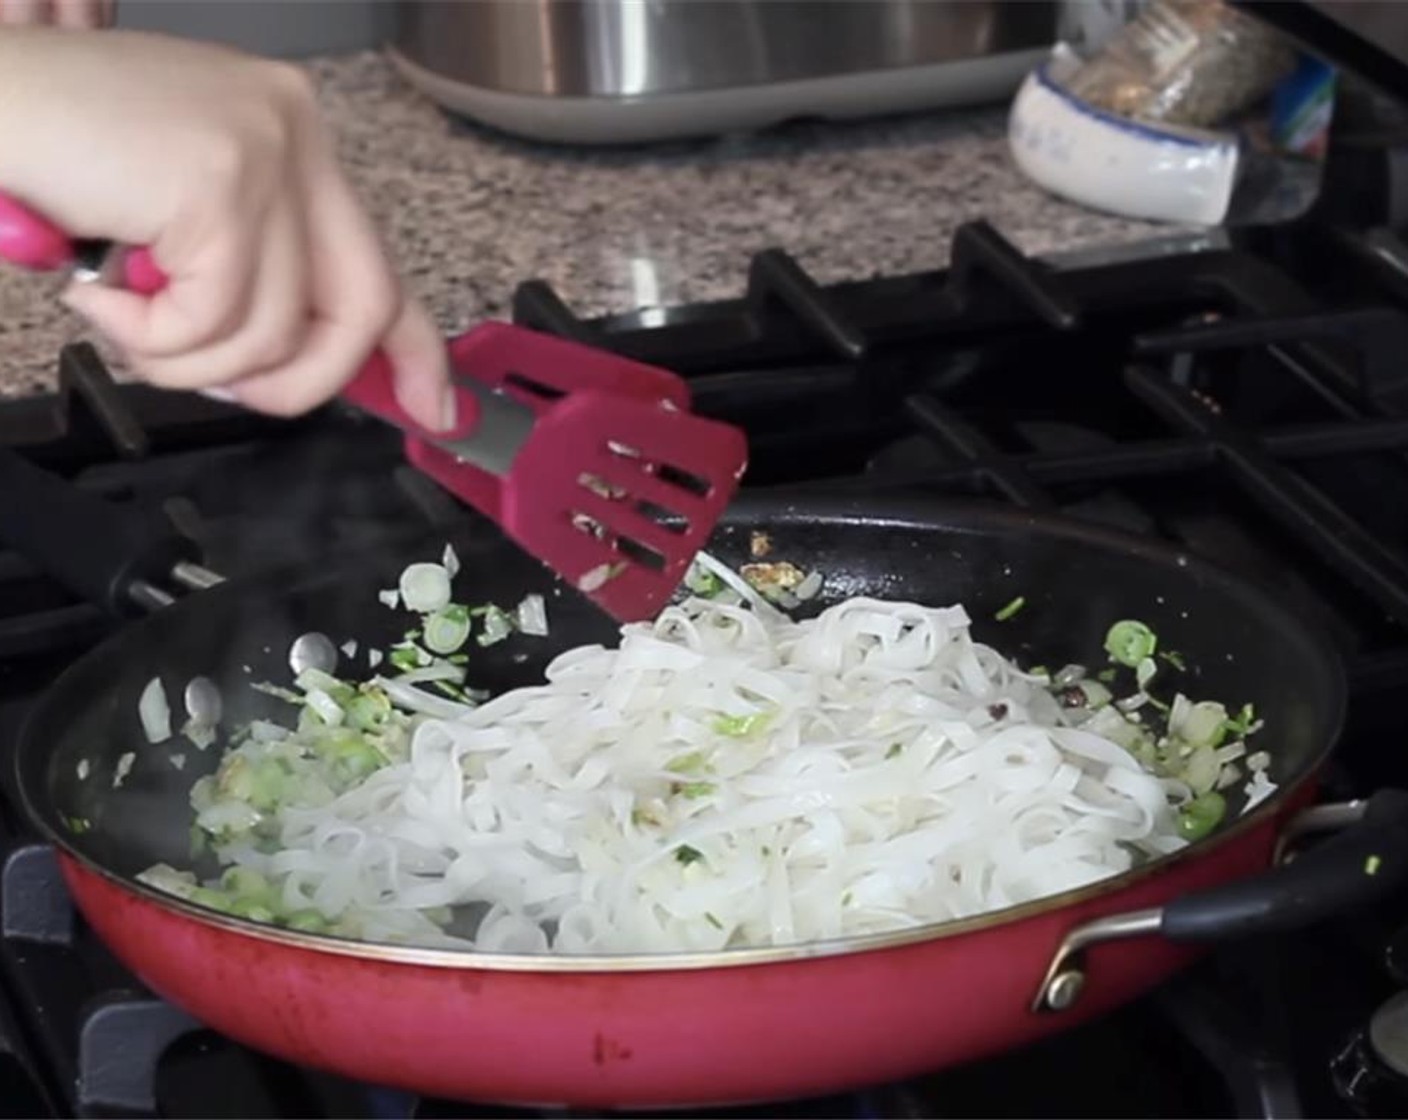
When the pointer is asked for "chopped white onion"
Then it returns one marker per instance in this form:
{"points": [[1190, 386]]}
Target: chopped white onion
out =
{"points": [[154, 712], [123, 768], [349, 647], [390, 598], [1258, 789], [83, 769], [451, 561], [533, 616]]}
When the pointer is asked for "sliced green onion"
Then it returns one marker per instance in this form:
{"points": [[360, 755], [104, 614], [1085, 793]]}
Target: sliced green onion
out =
{"points": [[1205, 724], [211, 899], [497, 626], [447, 629], [702, 582], [691, 763], [713, 921], [309, 921], [695, 790], [1372, 865], [352, 756], [369, 709], [1011, 608], [1243, 723], [1201, 815], [245, 881], [687, 855], [1129, 642], [311, 679], [738, 727], [248, 908]]}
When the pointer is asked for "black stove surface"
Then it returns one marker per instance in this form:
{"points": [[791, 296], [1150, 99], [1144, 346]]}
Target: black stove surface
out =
{"points": [[1245, 401]]}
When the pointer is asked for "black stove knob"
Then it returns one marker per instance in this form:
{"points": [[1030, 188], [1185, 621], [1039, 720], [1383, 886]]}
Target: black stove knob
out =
{"points": [[1371, 1071]]}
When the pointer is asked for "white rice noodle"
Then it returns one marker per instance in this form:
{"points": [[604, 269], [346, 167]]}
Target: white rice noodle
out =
{"points": [[893, 773]]}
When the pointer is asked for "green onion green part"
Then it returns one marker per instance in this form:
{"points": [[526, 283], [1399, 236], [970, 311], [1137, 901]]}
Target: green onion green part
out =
{"points": [[1011, 608], [1129, 642], [1201, 815], [687, 855]]}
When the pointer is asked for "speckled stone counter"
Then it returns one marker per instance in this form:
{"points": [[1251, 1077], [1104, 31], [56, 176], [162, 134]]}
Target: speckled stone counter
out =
{"points": [[469, 214]]}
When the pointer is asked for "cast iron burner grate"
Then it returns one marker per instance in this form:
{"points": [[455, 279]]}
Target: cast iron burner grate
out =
{"points": [[1198, 393]]}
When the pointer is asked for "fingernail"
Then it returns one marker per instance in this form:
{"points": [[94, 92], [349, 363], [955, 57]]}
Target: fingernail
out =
{"points": [[219, 393], [449, 410]]}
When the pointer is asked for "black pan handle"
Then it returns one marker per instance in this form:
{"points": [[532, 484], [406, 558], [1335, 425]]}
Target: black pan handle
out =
{"points": [[110, 556], [1365, 862]]}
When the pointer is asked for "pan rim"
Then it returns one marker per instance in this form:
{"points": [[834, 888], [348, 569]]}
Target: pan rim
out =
{"points": [[896, 509]]}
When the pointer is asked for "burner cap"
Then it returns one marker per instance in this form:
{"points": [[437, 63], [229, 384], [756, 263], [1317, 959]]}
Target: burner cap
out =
{"points": [[1388, 1033]]}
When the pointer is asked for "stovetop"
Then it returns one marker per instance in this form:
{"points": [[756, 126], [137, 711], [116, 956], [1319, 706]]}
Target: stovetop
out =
{"points": [[1243, 398]]}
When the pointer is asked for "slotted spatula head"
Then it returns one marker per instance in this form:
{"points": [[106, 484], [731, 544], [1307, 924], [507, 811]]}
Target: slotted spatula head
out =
{"points": [[616, 494]]}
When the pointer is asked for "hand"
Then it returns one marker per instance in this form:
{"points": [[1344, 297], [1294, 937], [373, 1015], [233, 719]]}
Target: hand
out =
{"points": [[279, 289], [91, 14]]}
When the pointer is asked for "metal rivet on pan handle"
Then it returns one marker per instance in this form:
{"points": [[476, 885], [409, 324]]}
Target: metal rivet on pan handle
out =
{"points": [[1065, 976]]}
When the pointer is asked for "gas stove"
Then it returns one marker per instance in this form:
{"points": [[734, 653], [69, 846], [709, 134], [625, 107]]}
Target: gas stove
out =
{"points": [[1242, 395]]}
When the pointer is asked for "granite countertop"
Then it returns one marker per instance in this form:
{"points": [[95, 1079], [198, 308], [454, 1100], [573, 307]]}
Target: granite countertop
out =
{"points": [[469, 214]]}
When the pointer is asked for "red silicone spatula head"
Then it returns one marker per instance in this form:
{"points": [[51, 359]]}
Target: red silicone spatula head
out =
{"points": [[616, 494]]}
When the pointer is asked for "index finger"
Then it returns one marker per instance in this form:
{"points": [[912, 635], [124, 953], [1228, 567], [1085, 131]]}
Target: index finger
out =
{"points": [[356, 305]]}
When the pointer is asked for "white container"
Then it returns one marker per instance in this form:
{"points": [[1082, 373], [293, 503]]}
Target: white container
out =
{"points": [[1161, 173]]}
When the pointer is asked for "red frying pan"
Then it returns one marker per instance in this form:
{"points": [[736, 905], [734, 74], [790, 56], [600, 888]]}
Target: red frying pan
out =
{"points": [[740, 1025]]}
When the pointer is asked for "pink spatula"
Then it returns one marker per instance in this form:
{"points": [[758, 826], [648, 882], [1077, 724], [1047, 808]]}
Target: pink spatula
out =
{"points": [[590, 462]]}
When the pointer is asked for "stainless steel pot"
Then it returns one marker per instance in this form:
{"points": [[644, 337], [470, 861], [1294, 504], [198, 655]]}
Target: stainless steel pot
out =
{"points": [[621, 70]]}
